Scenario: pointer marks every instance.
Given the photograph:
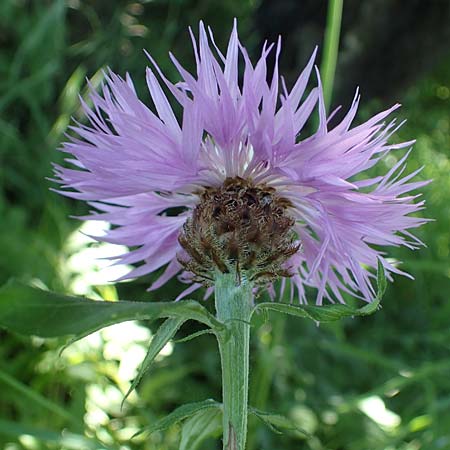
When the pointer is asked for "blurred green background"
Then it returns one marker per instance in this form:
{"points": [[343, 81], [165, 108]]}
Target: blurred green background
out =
{"points": [[376, 383]]}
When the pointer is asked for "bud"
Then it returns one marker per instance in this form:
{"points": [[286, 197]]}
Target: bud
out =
{"points": [[240, 228]]}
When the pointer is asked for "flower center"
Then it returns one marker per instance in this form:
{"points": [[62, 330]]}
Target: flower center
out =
{"points": [[239, 227]]}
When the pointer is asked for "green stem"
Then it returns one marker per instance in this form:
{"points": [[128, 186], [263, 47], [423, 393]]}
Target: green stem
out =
{"points": [[234, 306], [331, 46]]}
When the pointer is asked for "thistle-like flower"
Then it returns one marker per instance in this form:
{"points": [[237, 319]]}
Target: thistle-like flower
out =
{"points": [[252, 195]]}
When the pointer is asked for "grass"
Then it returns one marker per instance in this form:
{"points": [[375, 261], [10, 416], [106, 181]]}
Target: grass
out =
{"points": [[380, 382]]}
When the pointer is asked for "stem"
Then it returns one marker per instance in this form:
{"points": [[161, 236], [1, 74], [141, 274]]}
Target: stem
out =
{"points": [[331, 46], [234, 306]]}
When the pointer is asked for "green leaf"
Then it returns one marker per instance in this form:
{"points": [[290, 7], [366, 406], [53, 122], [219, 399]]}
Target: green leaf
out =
{"points": [[330, 313], [202, 425], [28, 310], [327, 313], [179, 414], [381, 281], [193, 336], [165, 332], [277, 422]]}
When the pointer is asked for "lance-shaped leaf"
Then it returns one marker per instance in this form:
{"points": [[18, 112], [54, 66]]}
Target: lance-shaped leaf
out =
{"points": [[329, 313], [277, 422], [28, 310], [202, 425], [193, 336], [181, 413], [165, 332]]}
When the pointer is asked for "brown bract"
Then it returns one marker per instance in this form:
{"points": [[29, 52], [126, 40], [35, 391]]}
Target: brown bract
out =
{"points": [[239, 227]]}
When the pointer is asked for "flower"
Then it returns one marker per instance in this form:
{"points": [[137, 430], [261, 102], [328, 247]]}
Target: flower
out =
{"points": [[150, 176]]}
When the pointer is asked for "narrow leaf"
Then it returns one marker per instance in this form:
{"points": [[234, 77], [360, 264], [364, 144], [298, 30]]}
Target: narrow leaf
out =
{"points": [[179, 414], [381, 281], [193, 336], [202, 425], [28, 310], [330, 313], [165, 332], [277, 422], [327, 313]]}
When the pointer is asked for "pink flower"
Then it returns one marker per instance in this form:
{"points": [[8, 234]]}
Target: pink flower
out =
{"points": [[133, 164]]}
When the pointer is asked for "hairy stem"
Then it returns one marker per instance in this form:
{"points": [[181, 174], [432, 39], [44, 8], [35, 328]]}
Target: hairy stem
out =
{"points": [[234, 306]]}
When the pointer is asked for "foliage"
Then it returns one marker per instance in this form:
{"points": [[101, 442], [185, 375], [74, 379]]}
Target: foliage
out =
{"points": [[378, 382]]}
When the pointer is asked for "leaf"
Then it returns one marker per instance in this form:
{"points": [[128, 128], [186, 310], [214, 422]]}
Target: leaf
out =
{"points": [[277, 422], [179, 414], [199, 427], [381, 281], [28, 310], [330, 313], [165, 332], [193, 336]]}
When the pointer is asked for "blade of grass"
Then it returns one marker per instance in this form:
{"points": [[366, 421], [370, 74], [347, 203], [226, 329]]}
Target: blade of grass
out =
{"points": [[331, 46], [36, 398]]}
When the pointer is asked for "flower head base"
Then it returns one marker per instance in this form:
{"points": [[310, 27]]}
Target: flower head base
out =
{"points": [[239, 227], [250, 186]]}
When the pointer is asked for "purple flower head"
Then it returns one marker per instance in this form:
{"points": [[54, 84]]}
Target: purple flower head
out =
{"points": [[132, 164]]}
